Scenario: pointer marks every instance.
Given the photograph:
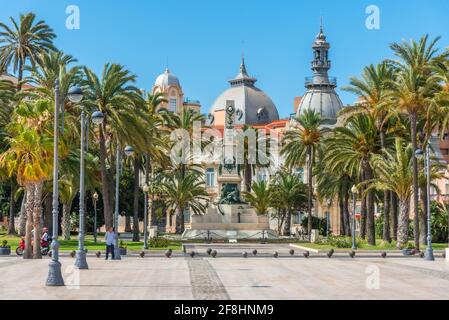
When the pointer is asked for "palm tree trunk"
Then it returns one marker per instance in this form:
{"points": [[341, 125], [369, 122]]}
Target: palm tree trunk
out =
{"points": [[423, 218], [65, 223], [105, 182], [413, 120], [310, 198], [28, 254], [370, 221], [386, 202], [20, 75], [346, 215], [37, 213], [387, 228], [179, 215], [403, 224], [287, 222], [394, 214], [136, 236], [12, 213], [363, 211], [48, 215], [342, 219], [248, 177], [23, 215], [128, 223]]}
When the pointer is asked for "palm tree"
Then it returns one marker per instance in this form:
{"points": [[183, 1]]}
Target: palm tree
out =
{"points": [[350, 150], [412, 93], [394, 172], [373, 90], [332, 185], [289, 194], [153, 153], [181, 191], [23, 42], [300, 146], [30, 158], [115, 96], [260, 198]]}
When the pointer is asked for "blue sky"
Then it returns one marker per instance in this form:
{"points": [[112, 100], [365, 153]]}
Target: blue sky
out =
{"points": [[203, 39]]}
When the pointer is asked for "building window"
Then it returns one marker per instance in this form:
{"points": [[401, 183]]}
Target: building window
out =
{"points": [[210, 177], [300, 173], [262, 177], [172, 105], [186, 215]]}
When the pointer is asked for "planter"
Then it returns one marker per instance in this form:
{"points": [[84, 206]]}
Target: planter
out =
{"points": [[123, 251], [5, 251], [407, 252]]}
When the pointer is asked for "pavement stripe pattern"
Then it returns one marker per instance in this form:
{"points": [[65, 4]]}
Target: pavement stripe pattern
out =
{"points": [[206, 285]]}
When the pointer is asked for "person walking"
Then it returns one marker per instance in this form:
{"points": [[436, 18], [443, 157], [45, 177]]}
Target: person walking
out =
{"points": [[110, 242]]}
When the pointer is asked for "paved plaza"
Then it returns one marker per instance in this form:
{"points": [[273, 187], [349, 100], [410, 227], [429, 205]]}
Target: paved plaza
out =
{"points": [[230, 276]]}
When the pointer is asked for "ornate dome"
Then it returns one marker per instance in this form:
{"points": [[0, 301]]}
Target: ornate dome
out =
{"points": [[321, 95], [252, 105], [167, 79]]}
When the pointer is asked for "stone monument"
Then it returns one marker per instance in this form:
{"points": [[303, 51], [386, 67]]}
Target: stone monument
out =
{"points": [[229, 218]]}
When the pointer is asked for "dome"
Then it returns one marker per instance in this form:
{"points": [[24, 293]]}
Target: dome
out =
{"points": [[252, 105], [167, 79], [325, 101]]}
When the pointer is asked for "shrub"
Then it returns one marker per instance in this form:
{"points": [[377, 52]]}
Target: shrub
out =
{"points": [[122, 244], [317, 223], [158, 242], [5, 244]]}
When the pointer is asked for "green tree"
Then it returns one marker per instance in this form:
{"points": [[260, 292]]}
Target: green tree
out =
{"points": [[181, 191], [394, 172], [289, 195], [115, 96], [373, 91], [350, 150], [260, 197], [412, 93], [23, 42], [300, 147]]}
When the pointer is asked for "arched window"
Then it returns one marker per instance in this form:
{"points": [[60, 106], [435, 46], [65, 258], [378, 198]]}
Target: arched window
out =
{"points": [[172, 105]]}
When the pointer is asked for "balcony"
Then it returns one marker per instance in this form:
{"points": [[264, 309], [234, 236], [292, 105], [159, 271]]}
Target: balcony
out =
{"points": [[316, 80]]}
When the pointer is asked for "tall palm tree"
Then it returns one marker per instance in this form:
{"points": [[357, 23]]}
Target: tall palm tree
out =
{"points": [[373, 91], [412, 93], [30, 157], [181, 191], [290, 194], [260, 197], [300, 147], [394, 171], [332, 185], [350, 150], [23, 42], [115, 96]]}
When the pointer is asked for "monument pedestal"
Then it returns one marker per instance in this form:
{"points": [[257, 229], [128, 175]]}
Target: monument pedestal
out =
{"points": [[239, 222]]}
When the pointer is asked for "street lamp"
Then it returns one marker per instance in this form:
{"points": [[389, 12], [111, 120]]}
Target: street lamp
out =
{"points": [[419, 155], [354, 201], [75, 95], [145, 189], [129, 151], [95, 198], [54, 278], [328, 217]]}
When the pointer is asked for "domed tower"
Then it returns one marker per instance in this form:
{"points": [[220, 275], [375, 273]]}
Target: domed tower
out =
{"points": [[168, 84], [321, 95], [252, 105]]}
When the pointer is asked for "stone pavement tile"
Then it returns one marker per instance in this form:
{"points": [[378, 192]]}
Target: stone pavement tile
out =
{"points": [[130, 278], [325, 279]]}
